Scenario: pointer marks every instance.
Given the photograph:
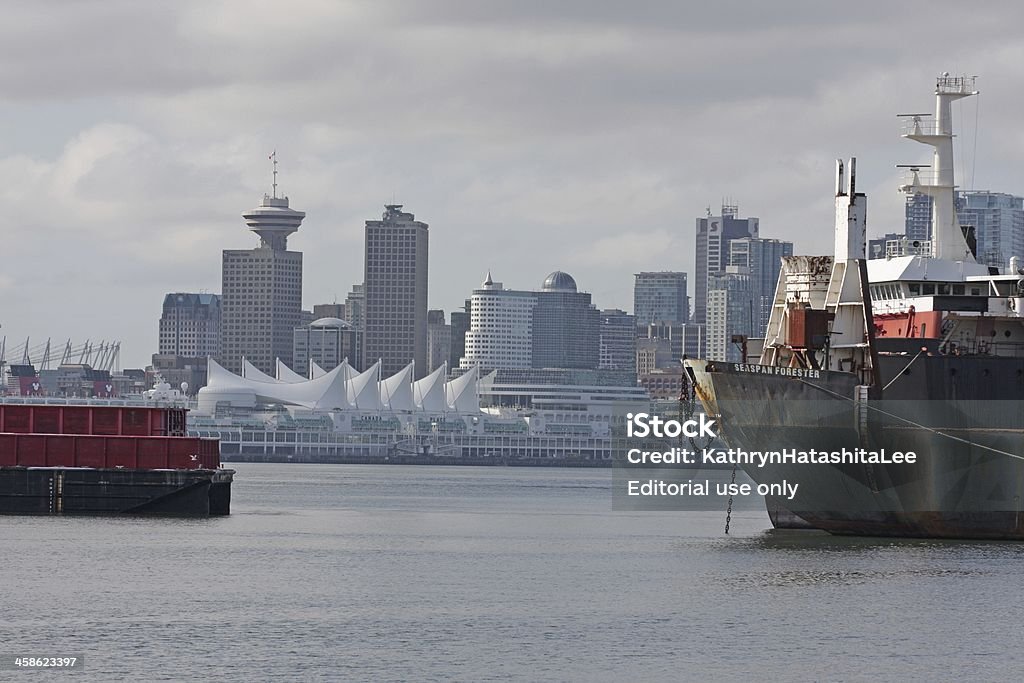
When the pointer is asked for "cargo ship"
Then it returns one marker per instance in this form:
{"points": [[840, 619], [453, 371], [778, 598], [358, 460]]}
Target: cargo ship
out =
{"points": [[74, 457], [919, 352]]}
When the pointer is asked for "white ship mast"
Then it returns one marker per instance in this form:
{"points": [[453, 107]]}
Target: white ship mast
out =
{"points": [[948, 241]]}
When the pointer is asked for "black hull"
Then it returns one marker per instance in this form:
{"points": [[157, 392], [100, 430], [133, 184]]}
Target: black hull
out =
{"points": [[962, 416], [84, 491]]}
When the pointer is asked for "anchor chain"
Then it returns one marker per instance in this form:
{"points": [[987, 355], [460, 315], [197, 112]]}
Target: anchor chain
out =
{"points": [[728, 509]]}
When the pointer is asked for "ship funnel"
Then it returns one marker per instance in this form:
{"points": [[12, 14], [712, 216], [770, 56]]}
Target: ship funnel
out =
{"points": [[851, 213]]}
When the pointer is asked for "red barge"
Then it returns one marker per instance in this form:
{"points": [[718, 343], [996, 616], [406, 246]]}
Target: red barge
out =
{"points": [[107, 459]]}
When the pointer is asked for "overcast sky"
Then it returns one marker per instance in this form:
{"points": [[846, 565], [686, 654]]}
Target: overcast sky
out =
{"points": [[581, 135]]}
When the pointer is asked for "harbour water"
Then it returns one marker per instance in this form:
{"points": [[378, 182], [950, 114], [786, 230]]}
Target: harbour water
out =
{"points": [[349, 572]]}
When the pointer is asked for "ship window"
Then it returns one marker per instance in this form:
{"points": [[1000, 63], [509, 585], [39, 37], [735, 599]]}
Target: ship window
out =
{"points": [[915, 288], [958, 290], [975, 291], [943, 288], [928, 288]]}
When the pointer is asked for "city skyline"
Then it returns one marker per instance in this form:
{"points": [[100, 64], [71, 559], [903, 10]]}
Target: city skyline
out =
{"points": [[132, 148]]}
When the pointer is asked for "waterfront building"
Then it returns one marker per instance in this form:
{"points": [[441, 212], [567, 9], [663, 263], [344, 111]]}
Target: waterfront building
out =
{"points": [[190, 325], [663, 384], [714, 233], [395, 291], [261, 293], [326, 342], [617, 341], [355, 302], [730, 313], [660, 297]]}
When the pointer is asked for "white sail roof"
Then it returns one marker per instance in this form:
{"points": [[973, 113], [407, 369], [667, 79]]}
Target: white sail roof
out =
{"points": [[363, 389], [324, 393], [396, 391], [286, 374], [316, 371], [428, 393], [251, 372], [461, 392]]}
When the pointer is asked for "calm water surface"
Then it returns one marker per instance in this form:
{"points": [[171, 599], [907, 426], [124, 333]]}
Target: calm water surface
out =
{"points": [[346, 572]]}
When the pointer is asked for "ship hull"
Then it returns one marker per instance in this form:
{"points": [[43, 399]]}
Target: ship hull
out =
{"points": [[88, 491], [966, 482]]}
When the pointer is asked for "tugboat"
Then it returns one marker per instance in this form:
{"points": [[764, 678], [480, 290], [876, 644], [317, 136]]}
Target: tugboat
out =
{"points": [[921, 352]]}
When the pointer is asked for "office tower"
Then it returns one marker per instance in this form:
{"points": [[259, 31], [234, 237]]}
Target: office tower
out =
{"points": [[713, 236], [998, 220], [730, 313], [261, 294], [459, 326], [660, 297], [565, 325], [190, 325], [617, 350], [762, 258], [355, 302], [395, 292], [500, 334], [326, 341], [439, 340]]}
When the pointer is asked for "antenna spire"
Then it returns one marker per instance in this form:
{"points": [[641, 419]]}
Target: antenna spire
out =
{"points": [[273, 157]]}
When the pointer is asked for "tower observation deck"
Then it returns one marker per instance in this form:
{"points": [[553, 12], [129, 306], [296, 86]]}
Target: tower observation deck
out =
{"points": [[273, 220]]}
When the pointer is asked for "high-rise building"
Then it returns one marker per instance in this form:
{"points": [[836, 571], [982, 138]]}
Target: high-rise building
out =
{"points": [[328, 311], [714, 233], [439, 340], [190, 325], [918, 218], [618, 341], [500, 331], [459, 326], [998, 220], [355, 303], [730, 313], [395, 291], [660, 297], [261, 294], [762, 258], [565, 325], [325, 341], [556, 327]]}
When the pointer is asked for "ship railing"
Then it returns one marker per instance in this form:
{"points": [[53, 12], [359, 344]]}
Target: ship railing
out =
{"points": [[918, 177], [907, 247], [955, 85], [983, 347], [919, 125]]}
